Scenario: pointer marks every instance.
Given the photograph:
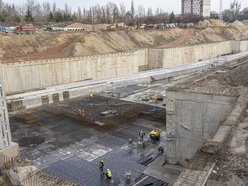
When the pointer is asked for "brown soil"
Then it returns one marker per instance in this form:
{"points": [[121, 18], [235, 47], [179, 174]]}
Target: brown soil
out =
{"points": [[238, 76], [60, 45], [223, 80], [182, 40]]}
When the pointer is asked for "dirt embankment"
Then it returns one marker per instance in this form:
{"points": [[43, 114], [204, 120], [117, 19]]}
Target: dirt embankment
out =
{"points": [[57, 45]]}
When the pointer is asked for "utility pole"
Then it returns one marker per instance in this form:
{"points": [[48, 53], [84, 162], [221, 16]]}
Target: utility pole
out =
{"points": [[220, 12]]}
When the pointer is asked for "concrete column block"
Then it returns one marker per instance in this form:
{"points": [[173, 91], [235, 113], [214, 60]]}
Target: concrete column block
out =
{"points": [[9, 153], [19, 175]]}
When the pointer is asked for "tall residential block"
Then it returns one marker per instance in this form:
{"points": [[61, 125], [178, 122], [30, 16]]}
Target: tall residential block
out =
{"points": [[197, 7]]}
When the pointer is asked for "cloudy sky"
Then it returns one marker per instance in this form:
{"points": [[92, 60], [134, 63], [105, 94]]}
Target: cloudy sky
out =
{"points": [[166, 5]]}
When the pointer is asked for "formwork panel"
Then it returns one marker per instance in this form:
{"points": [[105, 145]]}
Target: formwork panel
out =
{"points": [[55, 98], [66, 95], [45, 100]]}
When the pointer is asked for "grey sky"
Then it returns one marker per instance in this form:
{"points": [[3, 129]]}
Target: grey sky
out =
{"points": [[166, 5]]}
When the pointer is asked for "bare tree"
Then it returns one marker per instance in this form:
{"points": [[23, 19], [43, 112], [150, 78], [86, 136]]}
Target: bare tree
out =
{"points": [[79, 14], [110, 13], [54, 7], [84, 13], [1, 5], [115, 13], [141, 11], [122, 11], [67, 9], [149, 12], [103, 18], [46, 8], [30, 4], [235, 8]]}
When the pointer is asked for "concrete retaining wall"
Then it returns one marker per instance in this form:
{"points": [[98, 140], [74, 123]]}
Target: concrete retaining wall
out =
{"points": [[189, 54], [63, 92], [35, 75], [221, 137], [191, 119]]}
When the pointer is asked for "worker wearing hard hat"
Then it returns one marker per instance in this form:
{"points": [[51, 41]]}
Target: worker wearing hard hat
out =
{"points": [[141, 135], [101, 165], [155, 135], [109, 174]]}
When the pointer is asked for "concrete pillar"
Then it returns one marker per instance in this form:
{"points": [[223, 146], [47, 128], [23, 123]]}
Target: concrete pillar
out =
{"points": [[5, 134]]}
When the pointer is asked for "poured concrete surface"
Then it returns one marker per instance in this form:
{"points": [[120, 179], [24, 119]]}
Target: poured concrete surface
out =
{"points": [[165, 172]]}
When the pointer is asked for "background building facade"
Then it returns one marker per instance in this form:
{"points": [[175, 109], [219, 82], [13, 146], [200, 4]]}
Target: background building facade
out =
{"points": [[198, 7]]}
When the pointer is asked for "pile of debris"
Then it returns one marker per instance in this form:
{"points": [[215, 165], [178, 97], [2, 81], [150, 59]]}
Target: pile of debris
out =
{"points": [[204, 24], [216, 23], [236, 24], [27, 118]]}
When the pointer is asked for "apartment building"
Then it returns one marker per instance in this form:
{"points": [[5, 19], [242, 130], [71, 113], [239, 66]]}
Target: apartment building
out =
{"points": [[197, 7]]}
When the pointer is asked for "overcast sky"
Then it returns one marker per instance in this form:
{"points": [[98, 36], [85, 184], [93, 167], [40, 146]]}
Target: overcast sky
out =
{"points": [[166, 5]]}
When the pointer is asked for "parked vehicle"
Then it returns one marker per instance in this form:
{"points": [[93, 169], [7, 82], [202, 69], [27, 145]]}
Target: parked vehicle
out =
{"points": [[28, 29], [53, 28], [159, 26], [148, 26], [3, 29]]}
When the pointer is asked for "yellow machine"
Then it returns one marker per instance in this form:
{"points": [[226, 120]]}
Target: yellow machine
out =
{"points": [[155, 135], [111, 27], [116, 25]]}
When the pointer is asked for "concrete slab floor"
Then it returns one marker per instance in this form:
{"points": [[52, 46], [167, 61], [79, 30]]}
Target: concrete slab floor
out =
{"points": [[153, 94], [165, 172], [71, 149]]}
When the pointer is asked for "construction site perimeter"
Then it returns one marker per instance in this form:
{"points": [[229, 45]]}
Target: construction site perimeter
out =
{"points": [[74, 99]]}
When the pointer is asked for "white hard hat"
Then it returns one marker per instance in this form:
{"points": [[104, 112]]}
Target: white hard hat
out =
{"points": [[107, 169]]}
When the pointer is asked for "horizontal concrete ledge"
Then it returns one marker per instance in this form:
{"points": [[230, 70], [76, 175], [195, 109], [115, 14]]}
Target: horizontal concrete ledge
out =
{"points": [[194, 177], [221, 134], [34, 99]]}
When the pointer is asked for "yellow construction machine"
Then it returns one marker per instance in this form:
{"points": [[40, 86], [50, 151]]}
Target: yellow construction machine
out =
{"points": [[155, 135]]}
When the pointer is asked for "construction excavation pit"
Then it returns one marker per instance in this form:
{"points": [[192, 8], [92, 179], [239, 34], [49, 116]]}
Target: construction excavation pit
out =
{"points": [[201, 117], [159, 127], [149, 107], [68, 139]]}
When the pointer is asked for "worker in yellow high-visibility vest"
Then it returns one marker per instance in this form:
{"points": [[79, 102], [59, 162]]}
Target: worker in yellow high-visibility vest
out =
{"points": [[141, 135], [91, 95], [101, 165], [109, 174]]}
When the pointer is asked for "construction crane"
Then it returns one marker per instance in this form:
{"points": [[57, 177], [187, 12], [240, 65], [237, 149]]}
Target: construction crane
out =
{"points": [[128, 14], [220, 12]]}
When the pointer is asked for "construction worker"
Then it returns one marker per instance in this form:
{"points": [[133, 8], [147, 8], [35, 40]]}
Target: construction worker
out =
{"points": [[101, 165], [130, 141], [109, 174], [141, 135], [83, 113], [91, 95]]}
